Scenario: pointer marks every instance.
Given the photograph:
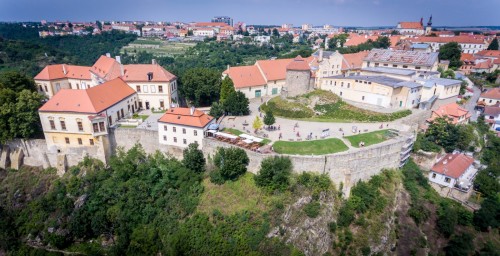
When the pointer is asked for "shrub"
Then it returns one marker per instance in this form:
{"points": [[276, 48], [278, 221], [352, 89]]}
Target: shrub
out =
{"points": [[274, 173], [193, 158], [332, 226], [230, 164], [312, 209]]}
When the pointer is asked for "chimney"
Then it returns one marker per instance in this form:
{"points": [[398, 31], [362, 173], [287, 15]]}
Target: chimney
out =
{"points": [[153, 61], [191, 111], [320, 58], [118, 59], [64, 69], [108, 55], [122, 72]]}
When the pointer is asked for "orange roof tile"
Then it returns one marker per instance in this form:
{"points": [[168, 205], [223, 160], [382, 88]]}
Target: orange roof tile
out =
{"points": [[355, 39], [453, 165], [467, 57], [452, 110], [353, 60], [139, 73], [92, 100], [298, 64], [458, 39], [489, 53], [273, 69], [411, 25], [394, 40], [106, 68], [245, 76], [484, 65], [182, 116], [492, 94], [52, 72]]}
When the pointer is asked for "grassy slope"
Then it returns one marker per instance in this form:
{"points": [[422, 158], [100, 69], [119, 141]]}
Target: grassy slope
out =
{"points": [[315, 147], [235, 196]]}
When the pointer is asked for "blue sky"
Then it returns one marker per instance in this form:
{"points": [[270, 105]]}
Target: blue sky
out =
{"points": [[316, 12]]}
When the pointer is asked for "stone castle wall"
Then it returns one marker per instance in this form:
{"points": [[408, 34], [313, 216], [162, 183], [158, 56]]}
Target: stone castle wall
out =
{"points": [[346, 167]]}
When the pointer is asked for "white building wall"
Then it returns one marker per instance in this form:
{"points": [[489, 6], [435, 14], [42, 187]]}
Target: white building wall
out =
{"points": [[181, 135], [149, 92], [441, 179]]}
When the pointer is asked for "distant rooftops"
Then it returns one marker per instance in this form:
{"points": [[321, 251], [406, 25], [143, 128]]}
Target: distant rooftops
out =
{"points": [[417, 58], [430, 82]]}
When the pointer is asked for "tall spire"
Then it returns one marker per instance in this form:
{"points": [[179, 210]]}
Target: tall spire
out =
{"points": [[430, 21], [422, 21]]}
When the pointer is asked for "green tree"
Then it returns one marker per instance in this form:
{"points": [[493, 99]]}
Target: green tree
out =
{"points": [[227, 87], [230, 164], [26, 121], [274, 173], [488, 216], [269, 118], [337, 41], [493, 45], [460, 245], [193, 158], [257, 124], [16, 81], [237, 104], [449, 73], [216, 110], [383, 42], [452, 52], [200, 86], [276, 33]]}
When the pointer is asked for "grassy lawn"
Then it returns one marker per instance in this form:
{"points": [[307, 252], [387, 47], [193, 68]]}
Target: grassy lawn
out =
{"points": [[234, 196], [233, 131], [143, 117], [369, 138], [325, 106], [312, 147]]}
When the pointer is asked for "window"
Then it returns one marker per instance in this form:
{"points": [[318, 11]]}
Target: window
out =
{"points": [[121, 111], [404, 66], [175, 139], [80, 141], [184, 141], [348, 85], [138, 88], [183, 130], [101, 127], [385, 65], [447, 180], [110, 120], [195, 133], [162, 104], [145, 88], [165, 137], [433, 175], [164, 127], [80, 126], [46, 89], [340, 93], [363, 98], [67, 140], [95, 127], [52, 125], [274, 91], [91, 141], [342, 84], [394, 66], [63, 125], [160, 89], [153, 88], [417, 67], [174, 129]]}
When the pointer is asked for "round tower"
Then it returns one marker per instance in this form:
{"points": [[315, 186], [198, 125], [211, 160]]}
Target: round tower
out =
{"points": [[298, 78]]}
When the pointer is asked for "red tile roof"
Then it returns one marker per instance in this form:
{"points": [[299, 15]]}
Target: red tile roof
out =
{"points": [[458, 39], [453, 165], [92, 100], [52, 72], [274, 69], [489, 53], [353, 60], [355, 39], [411, 25], [452, 110], [183, 116], [245, 76], [139, 73], [106, 68], [299, 64], [492, 94]]}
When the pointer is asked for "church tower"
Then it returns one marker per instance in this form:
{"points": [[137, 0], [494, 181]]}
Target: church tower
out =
{"points": [[428, 29]]}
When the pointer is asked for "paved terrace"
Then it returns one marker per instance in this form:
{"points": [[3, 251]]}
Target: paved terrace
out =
{"points": [[295, 129]]}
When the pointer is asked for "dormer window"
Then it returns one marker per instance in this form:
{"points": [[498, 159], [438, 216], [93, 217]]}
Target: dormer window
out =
{"points": [[150, 76]]}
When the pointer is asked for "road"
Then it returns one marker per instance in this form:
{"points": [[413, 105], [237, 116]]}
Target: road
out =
{"points": [[471, 103]]}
